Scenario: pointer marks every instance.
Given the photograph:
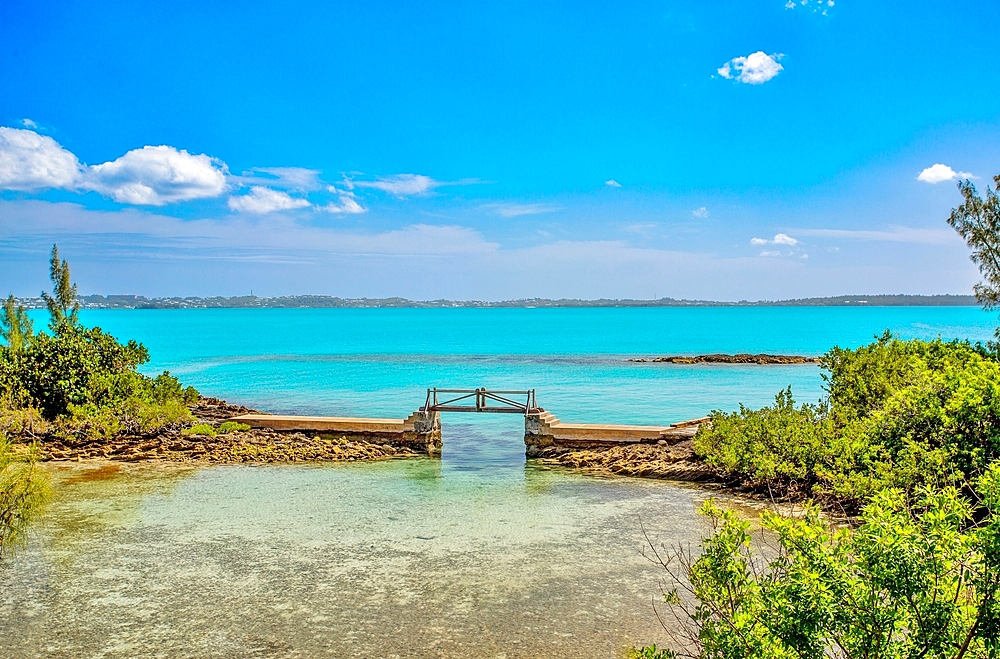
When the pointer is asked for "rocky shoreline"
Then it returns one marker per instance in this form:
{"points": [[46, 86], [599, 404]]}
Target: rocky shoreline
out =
{"points": [[740, 358], [666, 461], [255, 445]]}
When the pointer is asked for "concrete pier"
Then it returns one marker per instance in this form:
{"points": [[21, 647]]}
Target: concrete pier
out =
{"points": [[420, 429], [543, 429]]}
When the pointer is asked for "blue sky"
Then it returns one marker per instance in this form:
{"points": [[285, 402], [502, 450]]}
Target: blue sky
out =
{"points": [[755, 150]]}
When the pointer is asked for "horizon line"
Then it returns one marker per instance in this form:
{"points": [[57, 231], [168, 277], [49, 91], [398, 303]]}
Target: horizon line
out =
{"points": [[306, 301]]}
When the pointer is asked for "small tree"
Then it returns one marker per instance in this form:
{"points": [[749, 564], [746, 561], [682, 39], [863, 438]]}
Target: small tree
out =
{"points": [[24, 489], [63, 305], [15, 326], [978, 222]]}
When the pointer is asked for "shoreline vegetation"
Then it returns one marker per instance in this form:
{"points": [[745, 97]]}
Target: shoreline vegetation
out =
{"points": [[332, 302]]}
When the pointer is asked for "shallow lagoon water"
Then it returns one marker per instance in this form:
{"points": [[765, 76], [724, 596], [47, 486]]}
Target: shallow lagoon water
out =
{"points": [[473, 554], [395, 559]]}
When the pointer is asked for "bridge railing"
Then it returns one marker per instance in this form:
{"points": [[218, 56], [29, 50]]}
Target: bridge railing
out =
{"points": [[480, 400]]}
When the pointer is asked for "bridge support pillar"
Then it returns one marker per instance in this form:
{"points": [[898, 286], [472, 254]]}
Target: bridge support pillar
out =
{"points": [[537, 432], [426, 429]]}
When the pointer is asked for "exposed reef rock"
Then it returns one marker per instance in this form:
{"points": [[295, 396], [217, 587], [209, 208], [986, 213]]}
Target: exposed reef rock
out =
{"points": [[741, 358], [670, 461]]}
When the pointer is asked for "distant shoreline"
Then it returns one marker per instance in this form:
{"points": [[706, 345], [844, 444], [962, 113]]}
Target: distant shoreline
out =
{"points": [[331, 302]]}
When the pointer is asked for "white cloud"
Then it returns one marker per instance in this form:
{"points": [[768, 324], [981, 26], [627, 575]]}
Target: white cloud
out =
{"points": [[28, 123], [263, 200], [774, 253], [754, 69], [700, 212], [612, 183], [939, 173], [401, 185], [822, 6], [150, 176], [157, 175], [348, 203], [516, 210], [29, 161], [779, 239]]}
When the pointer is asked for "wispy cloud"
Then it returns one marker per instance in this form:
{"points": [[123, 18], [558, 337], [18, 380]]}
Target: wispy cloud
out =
{"points": [[895, 234], [701, 213], [401, 185], [347, 203], [612, 183], [940, 173], [754, 69], [261, 200], [516, 210], [283, 178], [28, 123], [141, 251]]}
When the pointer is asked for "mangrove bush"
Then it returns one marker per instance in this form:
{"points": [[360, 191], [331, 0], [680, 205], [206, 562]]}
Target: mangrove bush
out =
{"points": [[918, 577]]}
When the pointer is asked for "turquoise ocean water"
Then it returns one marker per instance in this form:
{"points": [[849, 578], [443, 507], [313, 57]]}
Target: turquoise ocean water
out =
{"points": [[379, 362], [476, 553]]}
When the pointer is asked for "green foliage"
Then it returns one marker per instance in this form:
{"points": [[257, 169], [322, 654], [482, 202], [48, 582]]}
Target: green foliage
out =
{"points": [[200, 429], [651, 652], [919, 577], [72, 366], [778, 443], [83, 379], [24, 489], [129, 403], [15, 326], [978, 222], [232, 426], [64, 308], [899, 414]]}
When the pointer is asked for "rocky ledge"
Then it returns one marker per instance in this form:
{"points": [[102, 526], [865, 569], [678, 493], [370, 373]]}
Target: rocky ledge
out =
{"points": [[670, 461], [741, 358], [171, 444]]}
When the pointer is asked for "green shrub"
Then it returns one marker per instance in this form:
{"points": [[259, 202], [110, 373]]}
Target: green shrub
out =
{"points": [[899, 414], [918, 577], [82, 379], [200, 429], [232, 426], [773, 444], [651, 652]]}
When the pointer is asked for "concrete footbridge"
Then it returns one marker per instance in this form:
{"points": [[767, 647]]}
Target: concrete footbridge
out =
{"points": [[423, 428]]}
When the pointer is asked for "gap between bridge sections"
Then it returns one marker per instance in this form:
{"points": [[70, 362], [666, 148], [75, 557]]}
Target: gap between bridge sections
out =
{"points": [[422, 429]]}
